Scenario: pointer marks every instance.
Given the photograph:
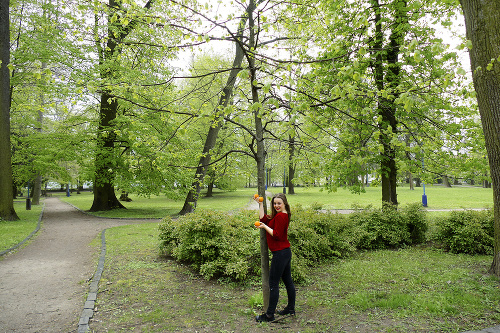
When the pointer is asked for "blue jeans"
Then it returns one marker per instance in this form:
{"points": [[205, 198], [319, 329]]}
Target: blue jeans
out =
{"points": [[281, 268]]}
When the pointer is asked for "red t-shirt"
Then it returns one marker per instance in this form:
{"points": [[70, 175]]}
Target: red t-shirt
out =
{"points": [[279, 240]]}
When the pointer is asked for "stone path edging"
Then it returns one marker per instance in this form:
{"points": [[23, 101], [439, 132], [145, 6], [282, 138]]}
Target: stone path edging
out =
{"points": [[88, 309], [495, 329]]}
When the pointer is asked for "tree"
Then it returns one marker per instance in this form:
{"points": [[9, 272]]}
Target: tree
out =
{"points": [[105, 167], [260, 153], [382, 74], [7, 210], [216, 123], [43, 61], [387, 77], [482, 22]]}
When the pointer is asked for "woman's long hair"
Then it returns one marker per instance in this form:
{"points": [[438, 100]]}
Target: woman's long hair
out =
{"points": [[285, 202]]}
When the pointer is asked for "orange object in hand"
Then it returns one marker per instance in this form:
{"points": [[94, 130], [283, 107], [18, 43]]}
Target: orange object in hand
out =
{"points": [[255, 196], [257, 223], [261, 199]]}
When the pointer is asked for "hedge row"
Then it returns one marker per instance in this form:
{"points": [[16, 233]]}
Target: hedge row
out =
{"points": [[221, 245], [470, 232]]}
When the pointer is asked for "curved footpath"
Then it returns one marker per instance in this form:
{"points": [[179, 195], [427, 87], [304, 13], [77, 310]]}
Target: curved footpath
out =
{"points": [[43, 286]]}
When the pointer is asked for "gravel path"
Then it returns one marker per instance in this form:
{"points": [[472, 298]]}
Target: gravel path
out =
{"points": [[43, 286]]}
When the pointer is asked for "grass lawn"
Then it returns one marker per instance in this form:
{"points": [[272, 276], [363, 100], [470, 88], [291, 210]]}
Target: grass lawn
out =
{"points": [[438, 197], [14, 232], [417, 289]]}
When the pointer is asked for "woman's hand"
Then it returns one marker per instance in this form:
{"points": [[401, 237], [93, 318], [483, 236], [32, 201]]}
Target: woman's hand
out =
{"points": [[265, 227], [260, 201]]}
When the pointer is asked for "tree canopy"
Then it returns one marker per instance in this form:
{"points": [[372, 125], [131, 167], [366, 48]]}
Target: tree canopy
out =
{"points": [[330, 93]]}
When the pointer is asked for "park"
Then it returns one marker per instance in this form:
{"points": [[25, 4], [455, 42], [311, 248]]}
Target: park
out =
{"points": [[419, 288], [134, 135]]}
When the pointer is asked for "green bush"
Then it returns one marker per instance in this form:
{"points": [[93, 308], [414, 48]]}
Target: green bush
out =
{"points": [[416, 221], [213, 243], [382, 229], [316, 205], [390, 228], [218, 244], [336, 236], [469, 232]]}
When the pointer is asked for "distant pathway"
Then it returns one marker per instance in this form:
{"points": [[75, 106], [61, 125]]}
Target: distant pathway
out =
{"points": [[43, 286]]}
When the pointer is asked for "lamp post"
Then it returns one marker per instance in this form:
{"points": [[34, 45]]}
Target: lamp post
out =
{"points": [[284, 180], [28, 199], [424, 197]]}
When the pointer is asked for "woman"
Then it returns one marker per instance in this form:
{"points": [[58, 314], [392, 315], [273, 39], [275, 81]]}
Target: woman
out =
{"points": [[276, 227]]}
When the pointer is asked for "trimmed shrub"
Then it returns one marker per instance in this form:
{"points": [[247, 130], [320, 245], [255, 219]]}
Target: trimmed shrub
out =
{"points": [[336, 235], [213, 243], [469, 232], [390, 228], [416, 221], [218, 244], [382, 229]]}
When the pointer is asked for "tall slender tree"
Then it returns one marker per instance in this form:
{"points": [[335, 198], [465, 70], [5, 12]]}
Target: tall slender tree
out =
{"points": [[260, 154], [216, 123]]}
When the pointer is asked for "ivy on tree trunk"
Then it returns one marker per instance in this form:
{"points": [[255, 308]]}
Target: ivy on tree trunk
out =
{"points": [[387, 78]]}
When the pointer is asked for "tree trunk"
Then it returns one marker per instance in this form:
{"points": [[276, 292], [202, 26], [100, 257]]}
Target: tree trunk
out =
{"points": [[7, 211], [105, 167], [215, 126], [482, 22], [291, 166], [210, 189], [446, 181], [260, 156], [410, 180], [37, 190], [105, 155], [387, 77]]}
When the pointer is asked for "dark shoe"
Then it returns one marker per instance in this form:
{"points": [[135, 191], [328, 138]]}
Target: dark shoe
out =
{"points": [[264, 317], [286, 311]]}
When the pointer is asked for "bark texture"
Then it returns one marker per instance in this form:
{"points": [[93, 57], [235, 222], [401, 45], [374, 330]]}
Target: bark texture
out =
{"points": [[7, 211], [291, 164], [482, 21]]}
